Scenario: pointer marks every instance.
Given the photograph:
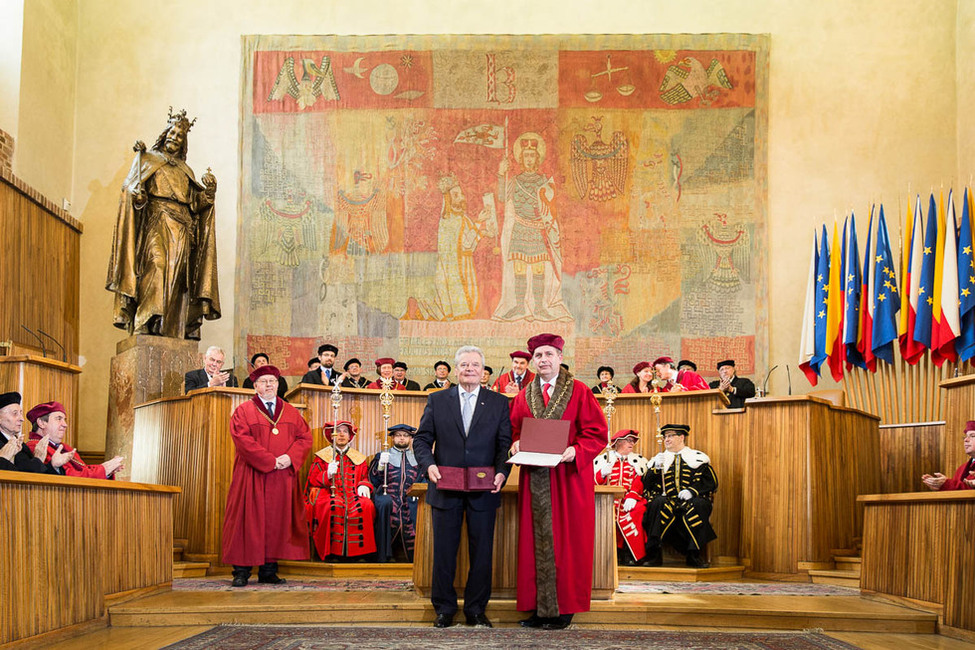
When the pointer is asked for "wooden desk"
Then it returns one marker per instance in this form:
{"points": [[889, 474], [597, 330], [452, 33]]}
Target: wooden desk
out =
{"points": [[38, 380], [959, 408], [504, 579], [806, 461], [919, 545], [72, 543]]}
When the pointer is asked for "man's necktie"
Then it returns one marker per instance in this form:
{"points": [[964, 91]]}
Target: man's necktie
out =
{"points": [[467, 412], [546, 390], [518, 381], [270, 408]]}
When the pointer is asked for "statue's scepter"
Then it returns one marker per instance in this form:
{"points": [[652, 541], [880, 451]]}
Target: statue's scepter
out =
{"points": [[386, 401], [139, 148], [336, 401]]}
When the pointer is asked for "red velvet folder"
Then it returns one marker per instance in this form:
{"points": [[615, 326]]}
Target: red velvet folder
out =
{"points": [[542, 442], [466, 479]]}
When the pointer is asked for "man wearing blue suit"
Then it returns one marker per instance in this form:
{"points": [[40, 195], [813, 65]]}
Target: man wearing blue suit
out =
{"points": [[471, 427]]}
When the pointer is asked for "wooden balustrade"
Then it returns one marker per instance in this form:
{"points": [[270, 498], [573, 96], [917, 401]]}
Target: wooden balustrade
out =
{"points": [[789, 469], [906, 452], [959, 394], [71, 543], [919, 546]]}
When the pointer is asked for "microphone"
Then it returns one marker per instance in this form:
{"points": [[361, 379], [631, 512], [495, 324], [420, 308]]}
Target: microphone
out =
{"points": [[789, 375], [765, 383], [64, 353], [39, 339]]}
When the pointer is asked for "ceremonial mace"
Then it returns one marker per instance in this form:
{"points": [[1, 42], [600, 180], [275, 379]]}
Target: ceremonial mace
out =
{"points": [[336, 401], [610, 391], [655, 400], [386, 401]]}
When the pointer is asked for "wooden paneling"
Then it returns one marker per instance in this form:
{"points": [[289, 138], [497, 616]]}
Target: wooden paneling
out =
{"points": [[70, 542], [42, 380], [504, 577], [919, 546], [906, 452], [185, 441], [959, 396], [41, 263], [805, 463]]}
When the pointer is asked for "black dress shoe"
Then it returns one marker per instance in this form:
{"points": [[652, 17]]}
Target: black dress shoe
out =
{"points": [[532, 621], [239, 581], [444, 620], [557, 622], [271, 580], [695, 560], [479, 620], [654, 558]]}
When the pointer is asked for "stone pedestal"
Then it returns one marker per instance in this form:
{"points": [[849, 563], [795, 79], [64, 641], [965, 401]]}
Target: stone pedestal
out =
{"points": [[144, 368]]}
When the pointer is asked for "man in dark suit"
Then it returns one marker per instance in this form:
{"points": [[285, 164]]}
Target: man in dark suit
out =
{"points": [[326, 373], [399, 374], [738, 389], [211, 374], [471, 427]]}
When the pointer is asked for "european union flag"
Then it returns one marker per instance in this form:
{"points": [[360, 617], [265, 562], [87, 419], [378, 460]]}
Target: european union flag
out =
{"points": [[886, 299], [925, 297], [851, 287], [965, 343]]}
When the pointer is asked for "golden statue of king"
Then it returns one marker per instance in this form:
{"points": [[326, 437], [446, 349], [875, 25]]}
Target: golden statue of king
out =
{"points": [[163, 268]]}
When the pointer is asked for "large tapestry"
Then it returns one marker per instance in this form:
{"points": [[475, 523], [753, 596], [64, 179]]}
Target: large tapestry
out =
{"points": [[404, 195]]}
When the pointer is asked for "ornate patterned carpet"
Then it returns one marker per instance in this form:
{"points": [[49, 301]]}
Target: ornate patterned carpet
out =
{"points": [[368, 638], [626, 587]]}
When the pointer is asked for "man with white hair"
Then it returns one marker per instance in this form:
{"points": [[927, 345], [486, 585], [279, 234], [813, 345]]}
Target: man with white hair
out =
{"points": [[15, 456], [211, 375]]}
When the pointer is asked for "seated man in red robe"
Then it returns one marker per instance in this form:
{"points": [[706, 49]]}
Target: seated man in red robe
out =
{"points": [[624, 467], [964, 478], [675, 380], [49, 419], [338, 497]]}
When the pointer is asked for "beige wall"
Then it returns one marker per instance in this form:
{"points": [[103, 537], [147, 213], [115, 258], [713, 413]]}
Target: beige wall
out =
{"points": [[863, 103], [11, 49]]}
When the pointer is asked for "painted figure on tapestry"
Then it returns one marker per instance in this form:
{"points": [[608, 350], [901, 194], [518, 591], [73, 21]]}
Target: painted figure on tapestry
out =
{"points": [[457, 237], [531, 252], [360, 218], [163, 268]]}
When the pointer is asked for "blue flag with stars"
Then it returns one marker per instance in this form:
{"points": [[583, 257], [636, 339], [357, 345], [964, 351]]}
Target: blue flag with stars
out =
{"points": [[822, 286], [886, 299], [925, 297], [851, 287], [965, 343]]}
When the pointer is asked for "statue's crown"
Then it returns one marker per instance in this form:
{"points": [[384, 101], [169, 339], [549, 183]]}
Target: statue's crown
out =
{"points": [[180, 118]]}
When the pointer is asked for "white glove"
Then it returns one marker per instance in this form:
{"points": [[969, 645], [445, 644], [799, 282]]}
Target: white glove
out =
{"points": [[684, 495], [606, 470], [657, 462], [629, 504], [333, 467], [613, 457], [363, 491], [384, 458]]}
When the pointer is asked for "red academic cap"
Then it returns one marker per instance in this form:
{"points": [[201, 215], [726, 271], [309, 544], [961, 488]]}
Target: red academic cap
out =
{"points": [[663, 360], [265, 370], [41, 410], [384, 361], [520, 354], [640, 366], [626, 433], [539, 340], [970, 426], [329, 427]]}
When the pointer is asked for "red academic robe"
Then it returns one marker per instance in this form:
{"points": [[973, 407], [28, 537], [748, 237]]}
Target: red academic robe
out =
{"points": [[957, 482], [689, 379], [75, 466], [377, 385], [573, 506], [629, 389], [509, 378], [265, 518], [627, 473], [342, 522]]}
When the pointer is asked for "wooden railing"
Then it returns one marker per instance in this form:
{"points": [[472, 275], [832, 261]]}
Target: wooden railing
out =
{"points": [[70, 543], [919, 546]]}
